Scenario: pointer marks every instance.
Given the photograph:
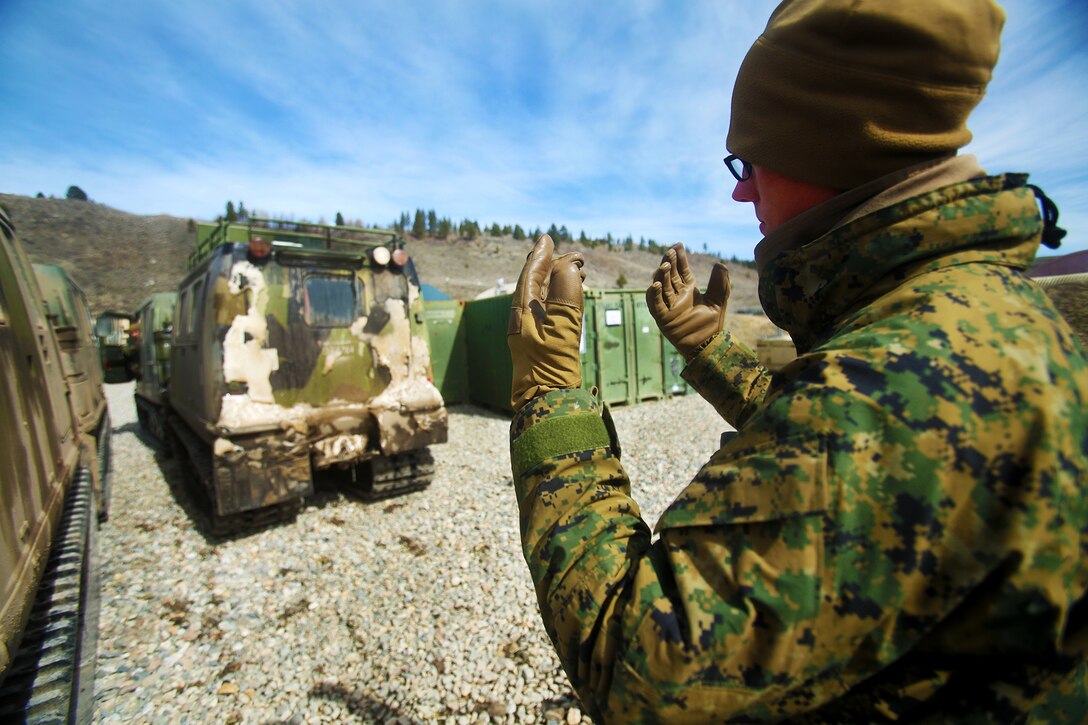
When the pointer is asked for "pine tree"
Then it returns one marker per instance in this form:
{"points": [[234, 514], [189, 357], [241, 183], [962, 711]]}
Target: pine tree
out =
{"points": [[232, 216], [243, 215], [74, 192], [468, 229], [419, 226], [432, 222], [339, 219], [518, 232]]}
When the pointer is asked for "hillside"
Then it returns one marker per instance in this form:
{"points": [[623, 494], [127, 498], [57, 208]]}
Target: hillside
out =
{"points": [[119, 258]]}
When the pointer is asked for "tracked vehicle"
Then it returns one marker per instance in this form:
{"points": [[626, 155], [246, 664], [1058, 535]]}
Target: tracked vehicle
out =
{"points": [[48, 568], [70, 316], [297, 348], [155, 320], [112, 332]]}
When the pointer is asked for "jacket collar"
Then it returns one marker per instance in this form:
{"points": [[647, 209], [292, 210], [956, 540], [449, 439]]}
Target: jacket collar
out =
{"points": [[807, 288]]}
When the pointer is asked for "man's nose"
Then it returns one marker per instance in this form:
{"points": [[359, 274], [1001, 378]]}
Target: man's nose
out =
{"points": [[744, 191]]}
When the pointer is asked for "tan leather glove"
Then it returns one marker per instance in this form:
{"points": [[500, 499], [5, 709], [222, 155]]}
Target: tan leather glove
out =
{"points": [[546, 324], [687, 317]]}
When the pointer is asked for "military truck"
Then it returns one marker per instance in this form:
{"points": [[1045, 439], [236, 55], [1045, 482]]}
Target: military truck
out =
{"points": [[299, 347], [69, 314], [48, 569], [112, 335], [155, 320]]}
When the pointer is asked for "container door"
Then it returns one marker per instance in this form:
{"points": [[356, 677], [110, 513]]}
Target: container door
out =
{"points": [[490, 370], [611, 324], [650, 382], [449, 349]]}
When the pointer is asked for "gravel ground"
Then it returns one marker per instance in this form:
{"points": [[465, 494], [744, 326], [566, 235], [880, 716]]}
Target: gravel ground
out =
{"points": [[413, 609]]}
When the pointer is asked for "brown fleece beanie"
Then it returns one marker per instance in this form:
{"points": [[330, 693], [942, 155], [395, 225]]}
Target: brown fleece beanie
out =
{"points": [[841, 92]]}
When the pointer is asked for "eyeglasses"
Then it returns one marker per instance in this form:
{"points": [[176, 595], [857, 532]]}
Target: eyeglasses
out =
{"points": [[741, 169]]}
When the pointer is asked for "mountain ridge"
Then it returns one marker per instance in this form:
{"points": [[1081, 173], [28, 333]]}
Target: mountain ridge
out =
{"points": [[118, 258]]}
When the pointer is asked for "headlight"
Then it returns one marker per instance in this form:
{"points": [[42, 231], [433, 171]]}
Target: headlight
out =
{"points": [[380, 255]]}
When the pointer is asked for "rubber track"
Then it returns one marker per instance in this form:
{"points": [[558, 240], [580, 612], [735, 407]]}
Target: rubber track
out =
{"points": [[198, 465], [51, 679], [390, 476], [105, 434]]}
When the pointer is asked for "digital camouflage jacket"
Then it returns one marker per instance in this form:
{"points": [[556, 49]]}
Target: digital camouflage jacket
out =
{"points": [[898, 528]]}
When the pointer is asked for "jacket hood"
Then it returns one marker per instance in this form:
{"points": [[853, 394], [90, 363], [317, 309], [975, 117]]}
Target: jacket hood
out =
{"points": [[992, 219]]}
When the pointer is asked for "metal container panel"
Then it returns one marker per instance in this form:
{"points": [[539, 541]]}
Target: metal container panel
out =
{"points": [[624, 355], [490, 370], [449, 348]]}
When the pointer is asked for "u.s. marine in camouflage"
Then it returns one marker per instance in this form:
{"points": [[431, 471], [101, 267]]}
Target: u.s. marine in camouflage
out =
{"points": [[898, 529]]}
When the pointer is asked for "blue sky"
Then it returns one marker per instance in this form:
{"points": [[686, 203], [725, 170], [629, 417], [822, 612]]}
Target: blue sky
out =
{"points": [[605, 117]]}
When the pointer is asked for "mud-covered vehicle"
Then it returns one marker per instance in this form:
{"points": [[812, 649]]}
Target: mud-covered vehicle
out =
{"points": [[112, 333], [155, 321], [70, 316], [300, 347], [48, 567]]}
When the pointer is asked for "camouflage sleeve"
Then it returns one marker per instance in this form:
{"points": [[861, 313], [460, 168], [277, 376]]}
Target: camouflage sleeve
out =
{"points": [[659, 631], [580, 529], [728, 375]]}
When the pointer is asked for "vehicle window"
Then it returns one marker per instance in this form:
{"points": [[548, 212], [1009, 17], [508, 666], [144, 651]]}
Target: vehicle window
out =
{"points": [[182, 306], [194, 306], [102, 327], [330, 300]]}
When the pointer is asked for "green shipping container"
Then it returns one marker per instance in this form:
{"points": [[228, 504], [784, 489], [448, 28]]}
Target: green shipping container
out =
{"points": [[490, 371], [623, 353], [449, 348]]}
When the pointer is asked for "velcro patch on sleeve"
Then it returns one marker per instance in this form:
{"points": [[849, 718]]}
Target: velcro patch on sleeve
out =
{"points": [[556, 437]]}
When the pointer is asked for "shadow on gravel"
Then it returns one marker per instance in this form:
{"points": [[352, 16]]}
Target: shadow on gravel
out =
{"points": [[194, 501], [475, 410], [185, 490], [330, 486], [182, 488], [142, 435], [360, 705]]}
